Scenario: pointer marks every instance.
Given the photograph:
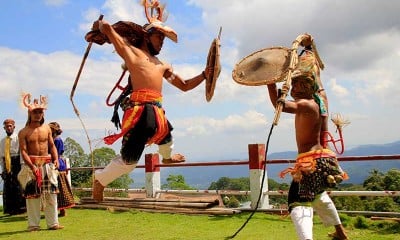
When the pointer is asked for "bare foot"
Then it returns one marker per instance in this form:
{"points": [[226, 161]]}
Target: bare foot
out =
{"points": [[339, 234], [176, 158]]}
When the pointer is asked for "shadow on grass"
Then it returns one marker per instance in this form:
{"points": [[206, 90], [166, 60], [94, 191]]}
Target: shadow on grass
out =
{"points": [[244, 216], [12, 218], [7, 234]]}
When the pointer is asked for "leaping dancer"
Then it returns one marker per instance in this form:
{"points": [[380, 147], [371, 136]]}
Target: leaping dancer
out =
{"points": [[144, 121]]}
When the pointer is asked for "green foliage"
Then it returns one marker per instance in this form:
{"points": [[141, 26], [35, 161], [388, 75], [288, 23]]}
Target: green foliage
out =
{"points": [[374, 181], [78, 158], [239, 184], [84, 178], [361, 222], [382, 204], [176, 182], [392, 182], [345, 219], [102, 156], [232, 202], [348, 203]]}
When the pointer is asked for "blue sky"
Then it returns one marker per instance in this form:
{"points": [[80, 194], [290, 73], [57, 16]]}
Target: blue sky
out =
{"points": [[42, 44]]}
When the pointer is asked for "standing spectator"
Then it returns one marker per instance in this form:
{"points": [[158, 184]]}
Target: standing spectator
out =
{"points": [[13, 201], [40, 185], [65, 199]]}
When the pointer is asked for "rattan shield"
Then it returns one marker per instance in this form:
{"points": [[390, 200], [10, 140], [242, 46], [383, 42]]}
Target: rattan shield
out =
{"points": [[214, 62], [265, 66]]}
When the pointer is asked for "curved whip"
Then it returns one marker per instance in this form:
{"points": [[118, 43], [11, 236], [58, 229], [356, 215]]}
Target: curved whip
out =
{"points": [[117, 85], [261, 187], [71, 97]]}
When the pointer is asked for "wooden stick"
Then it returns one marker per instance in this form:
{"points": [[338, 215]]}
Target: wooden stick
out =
{"points": [[288, 82], [78, 75], [71, 97]]}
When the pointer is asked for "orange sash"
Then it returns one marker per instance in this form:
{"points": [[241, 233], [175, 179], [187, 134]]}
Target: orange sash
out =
{"points": [[306, 162], [40, 160]]}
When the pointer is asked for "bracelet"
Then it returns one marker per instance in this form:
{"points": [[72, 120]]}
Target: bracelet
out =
{"points": [[204, 74], [171, 77]]}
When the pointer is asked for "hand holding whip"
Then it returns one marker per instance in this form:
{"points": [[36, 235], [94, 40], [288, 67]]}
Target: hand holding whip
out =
{"points": [[73, 91], [288, 82], [79, 73]]}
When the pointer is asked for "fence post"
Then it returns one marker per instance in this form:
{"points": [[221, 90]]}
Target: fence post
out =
{"points": [[256, 167], [153, 182]]}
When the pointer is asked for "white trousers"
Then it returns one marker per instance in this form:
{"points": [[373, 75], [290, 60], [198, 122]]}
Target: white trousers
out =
{"points": [[116, 168], [302, 216], [33, 209]]}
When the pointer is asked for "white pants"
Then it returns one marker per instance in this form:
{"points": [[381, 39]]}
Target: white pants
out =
{"points": [[116, 168], [302, 216], [33, 208]]}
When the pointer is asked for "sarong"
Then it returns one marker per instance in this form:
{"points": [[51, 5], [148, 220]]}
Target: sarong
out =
{"points": [[65, 199], [43, 181], [133, 110], [13, 201]]}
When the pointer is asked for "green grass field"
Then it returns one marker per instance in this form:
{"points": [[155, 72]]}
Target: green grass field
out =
{"points": [[81, 224]]}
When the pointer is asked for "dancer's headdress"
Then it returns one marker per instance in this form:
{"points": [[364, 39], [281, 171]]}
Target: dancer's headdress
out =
{"points": [[154, 11], [40, 103]]}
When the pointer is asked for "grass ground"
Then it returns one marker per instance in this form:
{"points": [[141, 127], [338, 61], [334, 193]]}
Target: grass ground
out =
{"points": [[81, 224]]}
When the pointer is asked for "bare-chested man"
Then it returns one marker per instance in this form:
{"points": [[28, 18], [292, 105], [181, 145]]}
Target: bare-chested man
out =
{"points": [[144, 120], [314, 163], [36, 142]]}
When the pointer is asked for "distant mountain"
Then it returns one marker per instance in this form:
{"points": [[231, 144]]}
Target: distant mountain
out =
{"points": [[201, 177], [358, 171]]}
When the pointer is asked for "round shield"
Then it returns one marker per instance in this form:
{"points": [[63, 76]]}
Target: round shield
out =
{"points": [[213, 61], [269, 65]]}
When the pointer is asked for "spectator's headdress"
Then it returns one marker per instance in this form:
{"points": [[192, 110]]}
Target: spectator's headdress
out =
{"points": [[9, 121]]}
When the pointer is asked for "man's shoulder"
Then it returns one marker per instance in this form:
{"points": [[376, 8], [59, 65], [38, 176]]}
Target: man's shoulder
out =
{"points": [[23, 131]]}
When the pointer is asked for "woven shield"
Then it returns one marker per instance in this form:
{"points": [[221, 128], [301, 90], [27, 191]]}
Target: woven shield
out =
{"points": [[214, 62], [269, 65]]}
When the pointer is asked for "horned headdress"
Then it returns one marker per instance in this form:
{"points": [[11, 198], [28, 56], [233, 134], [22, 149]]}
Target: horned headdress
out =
{"points": [[155, 14], [40, 103]]}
